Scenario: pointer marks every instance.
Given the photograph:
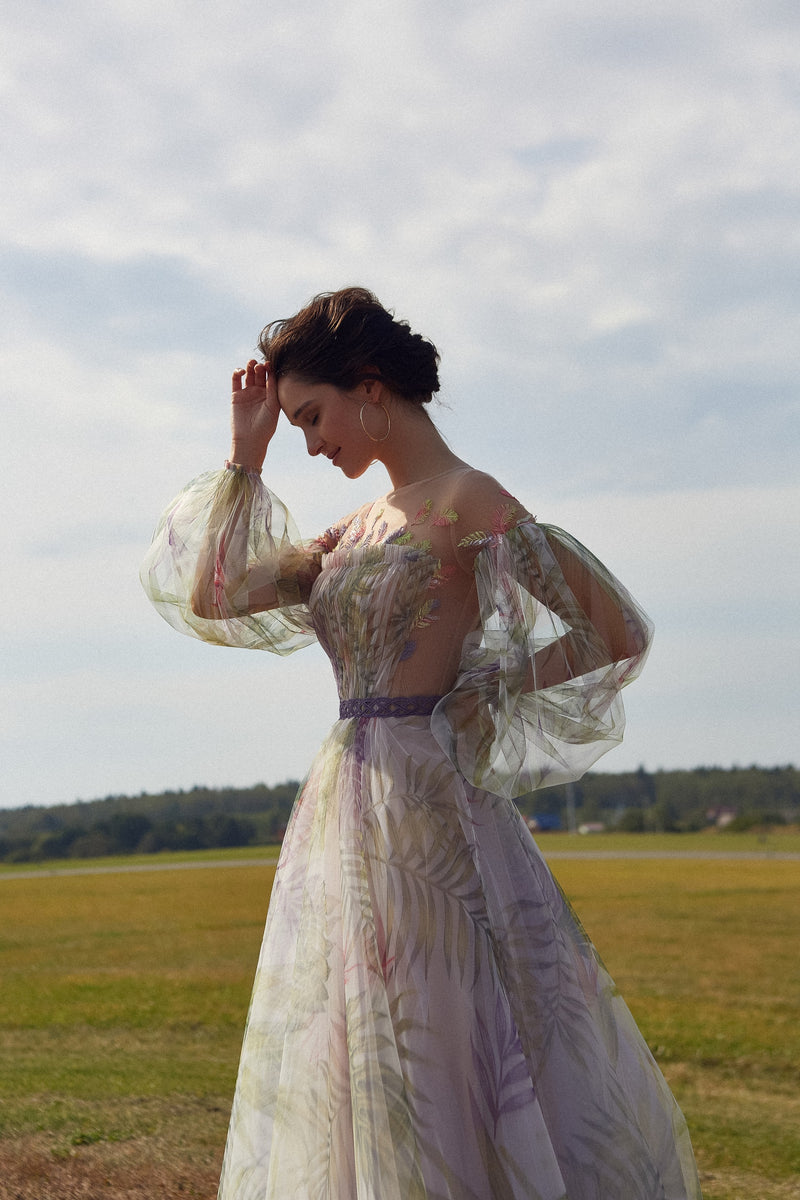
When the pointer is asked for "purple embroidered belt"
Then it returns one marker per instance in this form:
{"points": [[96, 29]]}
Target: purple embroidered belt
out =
{"points": [[387, 706]]}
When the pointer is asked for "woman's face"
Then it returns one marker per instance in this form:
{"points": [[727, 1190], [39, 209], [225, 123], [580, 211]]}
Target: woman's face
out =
{"points": [[329, 419]]}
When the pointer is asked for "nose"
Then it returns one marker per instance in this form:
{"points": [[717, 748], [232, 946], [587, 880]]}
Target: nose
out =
{"points": [[313, 443]]}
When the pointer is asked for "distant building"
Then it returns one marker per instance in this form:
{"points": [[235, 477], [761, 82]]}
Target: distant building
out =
{"points": [[721, 816], [544, 823]]}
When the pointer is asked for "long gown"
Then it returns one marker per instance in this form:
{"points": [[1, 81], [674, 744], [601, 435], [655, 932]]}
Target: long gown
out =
{"points": [[429, 1021]]}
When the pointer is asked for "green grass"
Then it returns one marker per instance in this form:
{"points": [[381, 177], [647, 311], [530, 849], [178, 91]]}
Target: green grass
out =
{"points": [[705, 953], [717, 842], [123, 999]]}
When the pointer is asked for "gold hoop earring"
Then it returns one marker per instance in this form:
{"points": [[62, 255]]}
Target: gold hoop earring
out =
{"points": [[388, 423]]}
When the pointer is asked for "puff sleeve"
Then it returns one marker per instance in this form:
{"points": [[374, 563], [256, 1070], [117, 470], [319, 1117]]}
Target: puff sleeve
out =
{"points": [[226, 565], [537, 696]]}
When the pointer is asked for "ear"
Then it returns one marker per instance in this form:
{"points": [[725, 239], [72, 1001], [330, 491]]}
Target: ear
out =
{"points": [[372, 386]]}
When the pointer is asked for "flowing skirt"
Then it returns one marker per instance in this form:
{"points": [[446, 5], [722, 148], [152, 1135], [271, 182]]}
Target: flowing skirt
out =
{"points": [[429, 1021]]}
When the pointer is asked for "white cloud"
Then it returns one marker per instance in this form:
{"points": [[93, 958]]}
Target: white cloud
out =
{"points": [[591, 211]]}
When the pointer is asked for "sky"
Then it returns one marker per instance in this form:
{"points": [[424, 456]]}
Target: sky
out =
{"points": [[591, 207]]}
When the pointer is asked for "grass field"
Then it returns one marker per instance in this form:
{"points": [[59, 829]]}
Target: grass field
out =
{"points": [[124, 998]]}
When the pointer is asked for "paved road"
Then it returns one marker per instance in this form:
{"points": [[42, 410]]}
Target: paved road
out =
{"points": [[138, 868]]}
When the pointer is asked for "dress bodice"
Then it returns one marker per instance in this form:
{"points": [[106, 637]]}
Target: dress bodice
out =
{"points": [[364, 606], [396, 594]]}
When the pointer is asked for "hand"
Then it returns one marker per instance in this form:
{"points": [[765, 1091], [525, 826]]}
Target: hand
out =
{"points": [[254, 413]]}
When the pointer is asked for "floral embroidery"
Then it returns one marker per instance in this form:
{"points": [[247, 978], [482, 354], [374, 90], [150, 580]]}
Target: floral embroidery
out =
{"points": [[330, 539], [442, 574], [423, 513], [354, 533], [479, 538], [426, 615], [505, 517], [404, 537]]}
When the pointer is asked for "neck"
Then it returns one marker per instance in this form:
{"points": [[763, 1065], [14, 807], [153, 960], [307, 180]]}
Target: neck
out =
{"points": [[416, 449]]}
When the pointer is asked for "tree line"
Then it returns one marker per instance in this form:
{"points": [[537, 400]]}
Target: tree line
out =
{"points": [[210, 818], [738, 798], [198, 819]]}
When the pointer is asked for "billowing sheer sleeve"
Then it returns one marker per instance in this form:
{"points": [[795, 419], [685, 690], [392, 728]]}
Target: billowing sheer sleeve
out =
{"points": [[537, 697], [226, 565]]}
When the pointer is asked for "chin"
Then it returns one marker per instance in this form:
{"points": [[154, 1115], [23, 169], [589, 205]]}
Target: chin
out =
{"points": [[355, 471]]}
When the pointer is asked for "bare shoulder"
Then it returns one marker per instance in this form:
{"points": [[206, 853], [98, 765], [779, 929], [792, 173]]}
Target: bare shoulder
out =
{"points": [[479, 498]]}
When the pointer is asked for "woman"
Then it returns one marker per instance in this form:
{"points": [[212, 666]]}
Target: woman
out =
{"points": [[428, 1018]]}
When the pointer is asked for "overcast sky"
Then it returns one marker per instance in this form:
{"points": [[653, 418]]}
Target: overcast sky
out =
{"points": [[592, 208]]}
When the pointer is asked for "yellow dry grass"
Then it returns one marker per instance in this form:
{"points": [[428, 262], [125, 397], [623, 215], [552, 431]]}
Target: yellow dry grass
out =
{"points": [[124, 998], [705, 953]]}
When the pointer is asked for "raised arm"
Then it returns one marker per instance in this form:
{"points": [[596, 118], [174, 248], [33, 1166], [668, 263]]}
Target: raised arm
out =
{"points": [[228, 583], [226, 563]]}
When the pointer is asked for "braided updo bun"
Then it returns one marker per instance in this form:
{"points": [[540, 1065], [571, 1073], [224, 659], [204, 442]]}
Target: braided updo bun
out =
{"points": [[340, 337]]}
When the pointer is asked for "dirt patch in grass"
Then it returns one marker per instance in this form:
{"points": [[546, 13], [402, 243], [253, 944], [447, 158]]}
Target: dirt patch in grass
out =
{"points": [[736, 1185], [31, 1170]]}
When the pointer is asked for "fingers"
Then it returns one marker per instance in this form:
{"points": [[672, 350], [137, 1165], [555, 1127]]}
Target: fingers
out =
{"points": [[272, 388], [253, 375]]}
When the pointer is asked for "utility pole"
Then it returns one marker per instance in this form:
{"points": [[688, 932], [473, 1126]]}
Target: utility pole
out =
{"points": [[572, 824]]}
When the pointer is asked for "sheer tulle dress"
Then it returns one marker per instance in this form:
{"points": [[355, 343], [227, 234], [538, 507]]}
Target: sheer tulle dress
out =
{"points": [[429, 1020]]}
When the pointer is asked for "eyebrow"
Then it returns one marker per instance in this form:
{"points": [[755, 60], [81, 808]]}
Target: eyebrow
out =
{"points": [[305, 404]]}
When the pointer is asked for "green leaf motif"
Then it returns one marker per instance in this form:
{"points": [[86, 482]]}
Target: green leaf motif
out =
{"points": [[448, 516]]}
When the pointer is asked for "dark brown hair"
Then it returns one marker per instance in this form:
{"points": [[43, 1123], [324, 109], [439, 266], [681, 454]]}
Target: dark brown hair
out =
{"points": [[342, 337]]}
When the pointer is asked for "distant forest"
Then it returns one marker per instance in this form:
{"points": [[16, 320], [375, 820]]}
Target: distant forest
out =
{"points": [[206, 818]]}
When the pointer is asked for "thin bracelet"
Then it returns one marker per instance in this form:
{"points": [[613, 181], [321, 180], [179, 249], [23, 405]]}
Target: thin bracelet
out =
{"points": [[232, 466]]}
